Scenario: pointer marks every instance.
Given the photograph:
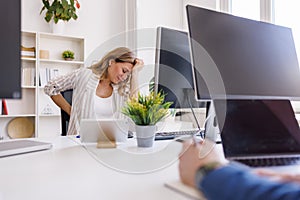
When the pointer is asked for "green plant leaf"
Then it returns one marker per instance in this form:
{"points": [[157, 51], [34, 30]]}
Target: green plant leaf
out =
{"points": [[59, 10], [147, 109]]}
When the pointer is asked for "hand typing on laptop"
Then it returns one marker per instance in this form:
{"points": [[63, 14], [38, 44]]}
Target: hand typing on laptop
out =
{"points": [[201, 166], [279, 176]]}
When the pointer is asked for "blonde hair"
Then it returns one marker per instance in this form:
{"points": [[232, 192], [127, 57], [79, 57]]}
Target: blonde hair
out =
{"points": [[120, 54]]}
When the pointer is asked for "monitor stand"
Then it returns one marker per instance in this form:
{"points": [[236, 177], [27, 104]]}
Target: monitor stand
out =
{"points": [[212, 130]]}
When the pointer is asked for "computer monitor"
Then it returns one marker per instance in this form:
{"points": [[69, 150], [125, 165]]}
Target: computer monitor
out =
{"points": [[238, 58], [10, 37], [173, 69]]}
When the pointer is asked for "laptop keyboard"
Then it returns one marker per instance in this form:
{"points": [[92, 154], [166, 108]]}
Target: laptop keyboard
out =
{"points": [[174, 134], [267, 162]]}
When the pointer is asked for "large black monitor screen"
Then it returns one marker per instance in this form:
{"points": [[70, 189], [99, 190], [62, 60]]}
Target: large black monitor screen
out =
{"points": [[242, 58], [10, 66], [173, 69]]}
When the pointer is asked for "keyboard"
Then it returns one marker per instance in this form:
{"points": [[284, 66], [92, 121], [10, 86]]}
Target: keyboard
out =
{"points": [[175, 134], [268, 162]]}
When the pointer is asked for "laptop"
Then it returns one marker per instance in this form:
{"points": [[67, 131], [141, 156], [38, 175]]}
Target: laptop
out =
{"points": [[97, 130], [259, 132], [21, 146]]}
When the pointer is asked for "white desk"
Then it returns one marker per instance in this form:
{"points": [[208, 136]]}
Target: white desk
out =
{"points": [[73, 171], [70, 171]]}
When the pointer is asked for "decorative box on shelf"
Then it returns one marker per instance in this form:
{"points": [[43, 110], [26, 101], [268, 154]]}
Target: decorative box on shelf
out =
{"points": [[44, 54]]}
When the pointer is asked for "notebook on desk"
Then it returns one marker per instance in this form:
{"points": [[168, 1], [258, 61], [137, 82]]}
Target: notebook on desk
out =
{"points": [[259, 132], [95, 130], [21, 146], [185, 190]]}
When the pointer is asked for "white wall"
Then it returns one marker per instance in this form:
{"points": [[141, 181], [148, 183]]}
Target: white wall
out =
{"points": [[159, 13], [209, 4], [103, 22], [98, 20], [153, 13], [150, 15]]}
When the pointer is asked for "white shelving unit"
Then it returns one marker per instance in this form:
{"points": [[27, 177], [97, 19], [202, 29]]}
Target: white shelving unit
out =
{"points": [[34, 104]]}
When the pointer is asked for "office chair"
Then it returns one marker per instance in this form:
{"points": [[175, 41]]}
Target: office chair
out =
{"points": [[65, 118]]}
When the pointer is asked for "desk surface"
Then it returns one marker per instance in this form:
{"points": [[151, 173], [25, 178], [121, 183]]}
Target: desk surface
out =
{"points": [[73, 171]]}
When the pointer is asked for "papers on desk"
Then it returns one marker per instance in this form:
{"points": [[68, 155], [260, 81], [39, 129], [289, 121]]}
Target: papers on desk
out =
{"points": [[185, 190]]}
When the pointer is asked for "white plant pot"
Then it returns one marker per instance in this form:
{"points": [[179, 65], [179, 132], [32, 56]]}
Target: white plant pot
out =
{"points": [[57, 28], [145, 135]]}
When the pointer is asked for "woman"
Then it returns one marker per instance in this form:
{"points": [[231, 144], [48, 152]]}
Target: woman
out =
{"points": [[100, 90]]}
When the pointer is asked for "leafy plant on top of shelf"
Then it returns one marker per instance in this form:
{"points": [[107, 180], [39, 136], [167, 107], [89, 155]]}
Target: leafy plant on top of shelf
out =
{"points": [[68, 54], [60, 10]]}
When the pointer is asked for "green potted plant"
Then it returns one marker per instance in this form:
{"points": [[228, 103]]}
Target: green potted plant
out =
{"points": [[60, 10], [68, 55], [145, 111]]}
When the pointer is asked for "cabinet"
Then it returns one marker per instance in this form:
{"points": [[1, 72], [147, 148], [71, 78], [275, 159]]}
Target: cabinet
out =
{"points": [[43, 63]]}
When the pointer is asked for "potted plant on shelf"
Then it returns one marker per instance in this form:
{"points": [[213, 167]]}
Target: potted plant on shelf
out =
{"points": [[145, 111], [60, 10], [68, 55]]}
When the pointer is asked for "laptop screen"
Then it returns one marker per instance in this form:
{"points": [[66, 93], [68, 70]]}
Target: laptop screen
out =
{"points": [[257, 127]]}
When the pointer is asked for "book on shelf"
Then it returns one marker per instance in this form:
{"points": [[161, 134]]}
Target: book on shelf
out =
{"points": [[43, 77], [46, 74], [4, 107], [28, 76], [53, 73], [27, 52]]}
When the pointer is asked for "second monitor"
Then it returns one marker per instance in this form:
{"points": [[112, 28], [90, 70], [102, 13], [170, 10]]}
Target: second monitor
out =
{"points": [[173, 69]]}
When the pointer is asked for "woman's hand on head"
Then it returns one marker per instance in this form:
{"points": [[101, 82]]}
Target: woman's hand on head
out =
{"points": [[139, 64], [134, 83]]}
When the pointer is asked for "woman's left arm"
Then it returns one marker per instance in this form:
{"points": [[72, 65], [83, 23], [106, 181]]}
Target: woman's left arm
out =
{"points": [[134, 83]]}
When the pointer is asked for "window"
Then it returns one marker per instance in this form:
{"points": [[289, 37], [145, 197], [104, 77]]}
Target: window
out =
{"points": [[246, 8], [286, 13]]}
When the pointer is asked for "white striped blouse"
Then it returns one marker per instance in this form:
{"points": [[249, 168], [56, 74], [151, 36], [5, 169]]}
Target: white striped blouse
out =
{"points": [[84, 83]]}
